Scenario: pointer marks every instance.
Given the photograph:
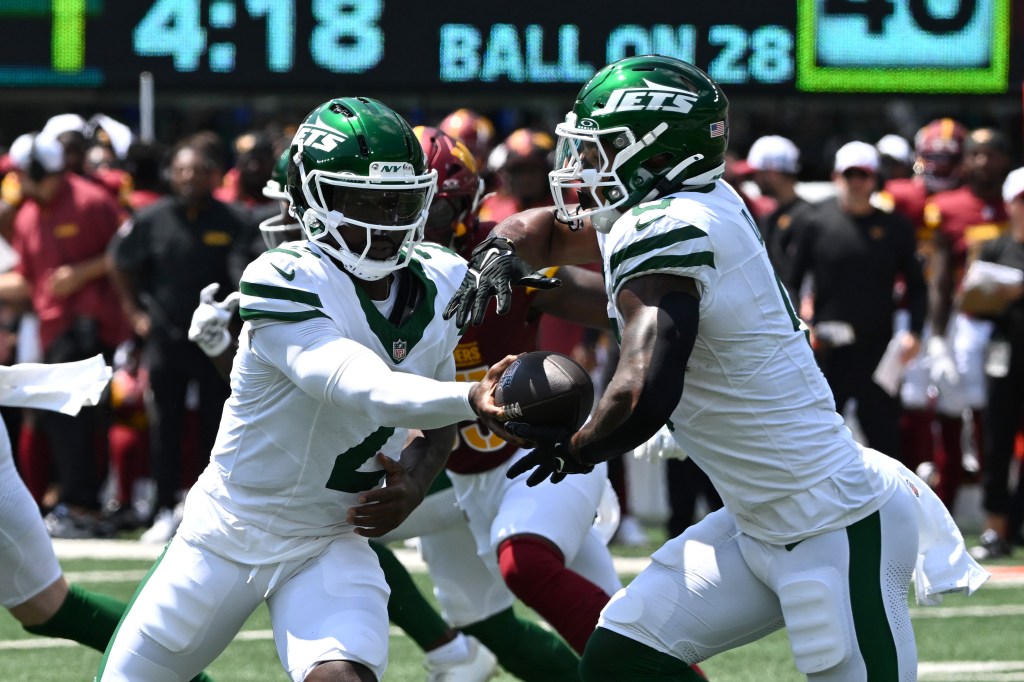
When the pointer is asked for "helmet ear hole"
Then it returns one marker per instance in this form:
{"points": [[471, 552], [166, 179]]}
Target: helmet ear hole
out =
{"points": [[659, 162]]}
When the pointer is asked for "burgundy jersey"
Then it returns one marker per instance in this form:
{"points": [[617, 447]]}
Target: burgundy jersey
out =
{"points": [[966, 221], [907, 196], [500, 335]]}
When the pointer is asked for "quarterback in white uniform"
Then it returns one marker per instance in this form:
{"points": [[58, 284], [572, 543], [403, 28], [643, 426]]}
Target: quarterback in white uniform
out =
{"points": [[814, 535], [342, 350]]}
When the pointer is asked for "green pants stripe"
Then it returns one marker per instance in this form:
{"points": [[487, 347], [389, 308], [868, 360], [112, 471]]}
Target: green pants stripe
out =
{"points": [[870, 621]]}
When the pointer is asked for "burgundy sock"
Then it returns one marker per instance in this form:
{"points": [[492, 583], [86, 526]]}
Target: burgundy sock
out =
{"points": [[916, 442], [950, 465], [535, 572], [34, 461]]}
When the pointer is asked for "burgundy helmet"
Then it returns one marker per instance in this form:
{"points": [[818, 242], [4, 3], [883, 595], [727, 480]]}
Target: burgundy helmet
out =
{"points": [[475, 130], [459, 186], [939, 147]]}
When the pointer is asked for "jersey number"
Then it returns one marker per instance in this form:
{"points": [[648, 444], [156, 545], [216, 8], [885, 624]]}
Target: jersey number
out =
{"points": [[345, 475]]}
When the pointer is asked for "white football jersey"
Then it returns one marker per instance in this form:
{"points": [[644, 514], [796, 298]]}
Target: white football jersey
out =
{"points": [[286, 465], [756, 413]]}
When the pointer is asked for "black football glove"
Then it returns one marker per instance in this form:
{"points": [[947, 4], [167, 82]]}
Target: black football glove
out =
{"points": [[551, 456], [494, 268]]}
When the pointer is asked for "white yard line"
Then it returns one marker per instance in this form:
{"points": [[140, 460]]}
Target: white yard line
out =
{"points": [[132, 549], [970, 671]]}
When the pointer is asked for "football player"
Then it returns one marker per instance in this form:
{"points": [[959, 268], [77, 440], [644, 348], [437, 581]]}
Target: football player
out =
{"points": [[960, 221], [938, 150], [343, 349], [32, 586], [814, 534]]}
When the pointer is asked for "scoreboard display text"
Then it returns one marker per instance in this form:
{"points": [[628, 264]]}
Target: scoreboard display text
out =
{"points": [[926, 46]]}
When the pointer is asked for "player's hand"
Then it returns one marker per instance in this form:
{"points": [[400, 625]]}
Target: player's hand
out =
{"points": [[481, 396], [209, 328], [494, 268], [381, 510], [942, 364], [552, 457]]}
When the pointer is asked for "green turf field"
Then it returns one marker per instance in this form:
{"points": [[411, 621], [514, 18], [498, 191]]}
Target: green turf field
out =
{"points": [[974, 639]]}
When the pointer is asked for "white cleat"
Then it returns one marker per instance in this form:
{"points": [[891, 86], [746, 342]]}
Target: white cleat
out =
{"points": [[479, 666]]}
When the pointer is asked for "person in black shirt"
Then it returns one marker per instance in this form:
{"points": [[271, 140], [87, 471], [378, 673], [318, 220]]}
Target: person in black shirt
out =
{"points": [[776, 163], [855, 253], [162, 260], [1004, 305]]}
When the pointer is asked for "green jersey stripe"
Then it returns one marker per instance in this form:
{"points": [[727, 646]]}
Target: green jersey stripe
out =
{"points": [[284, 293], [689, 260], [643, 246], [287, 251], [251, 314]]}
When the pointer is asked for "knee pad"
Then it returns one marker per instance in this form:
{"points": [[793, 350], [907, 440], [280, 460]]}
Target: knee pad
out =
{"points": [[816, 620]]}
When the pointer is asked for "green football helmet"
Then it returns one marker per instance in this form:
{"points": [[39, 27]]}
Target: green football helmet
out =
{"points": [[276, 187], [280, 228], [356, 163], [641, 128]]}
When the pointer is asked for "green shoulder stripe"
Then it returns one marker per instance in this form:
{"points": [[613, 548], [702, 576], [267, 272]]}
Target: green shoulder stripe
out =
{"points": [[690, 260], [252, 314], [283, 293], [288, 251], [649, 244]]}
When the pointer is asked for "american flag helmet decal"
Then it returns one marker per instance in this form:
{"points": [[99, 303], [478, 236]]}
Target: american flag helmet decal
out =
{"points": [[718, 129]]}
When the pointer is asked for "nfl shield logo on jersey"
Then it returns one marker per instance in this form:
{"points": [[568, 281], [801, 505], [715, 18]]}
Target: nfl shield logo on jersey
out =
{"points": [[398, 350]]}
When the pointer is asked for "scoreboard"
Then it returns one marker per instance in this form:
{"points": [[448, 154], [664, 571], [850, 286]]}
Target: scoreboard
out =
{"points": [[778, 46]]}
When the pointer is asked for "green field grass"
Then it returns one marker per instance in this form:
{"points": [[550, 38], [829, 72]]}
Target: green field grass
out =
{"points": [[974, 639]]}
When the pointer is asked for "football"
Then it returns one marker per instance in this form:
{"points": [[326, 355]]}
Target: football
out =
{"points": [[544, 388]]}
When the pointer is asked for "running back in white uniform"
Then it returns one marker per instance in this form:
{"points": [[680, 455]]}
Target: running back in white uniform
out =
{"points": [[812, 536], [756, 414]]}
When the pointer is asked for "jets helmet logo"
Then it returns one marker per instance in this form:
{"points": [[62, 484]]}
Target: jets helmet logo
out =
{"points": [[652, 98], [320, 136]]}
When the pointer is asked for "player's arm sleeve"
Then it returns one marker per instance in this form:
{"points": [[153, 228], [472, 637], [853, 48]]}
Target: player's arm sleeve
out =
{"points": [[340, 372], [667, 246]]}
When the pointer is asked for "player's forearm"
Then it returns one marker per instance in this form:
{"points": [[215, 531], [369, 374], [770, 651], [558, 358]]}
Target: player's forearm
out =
{"points": [[343, 373], [648, 380], [580, 299], [540, 240], [404, 399], [425, 456]]}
